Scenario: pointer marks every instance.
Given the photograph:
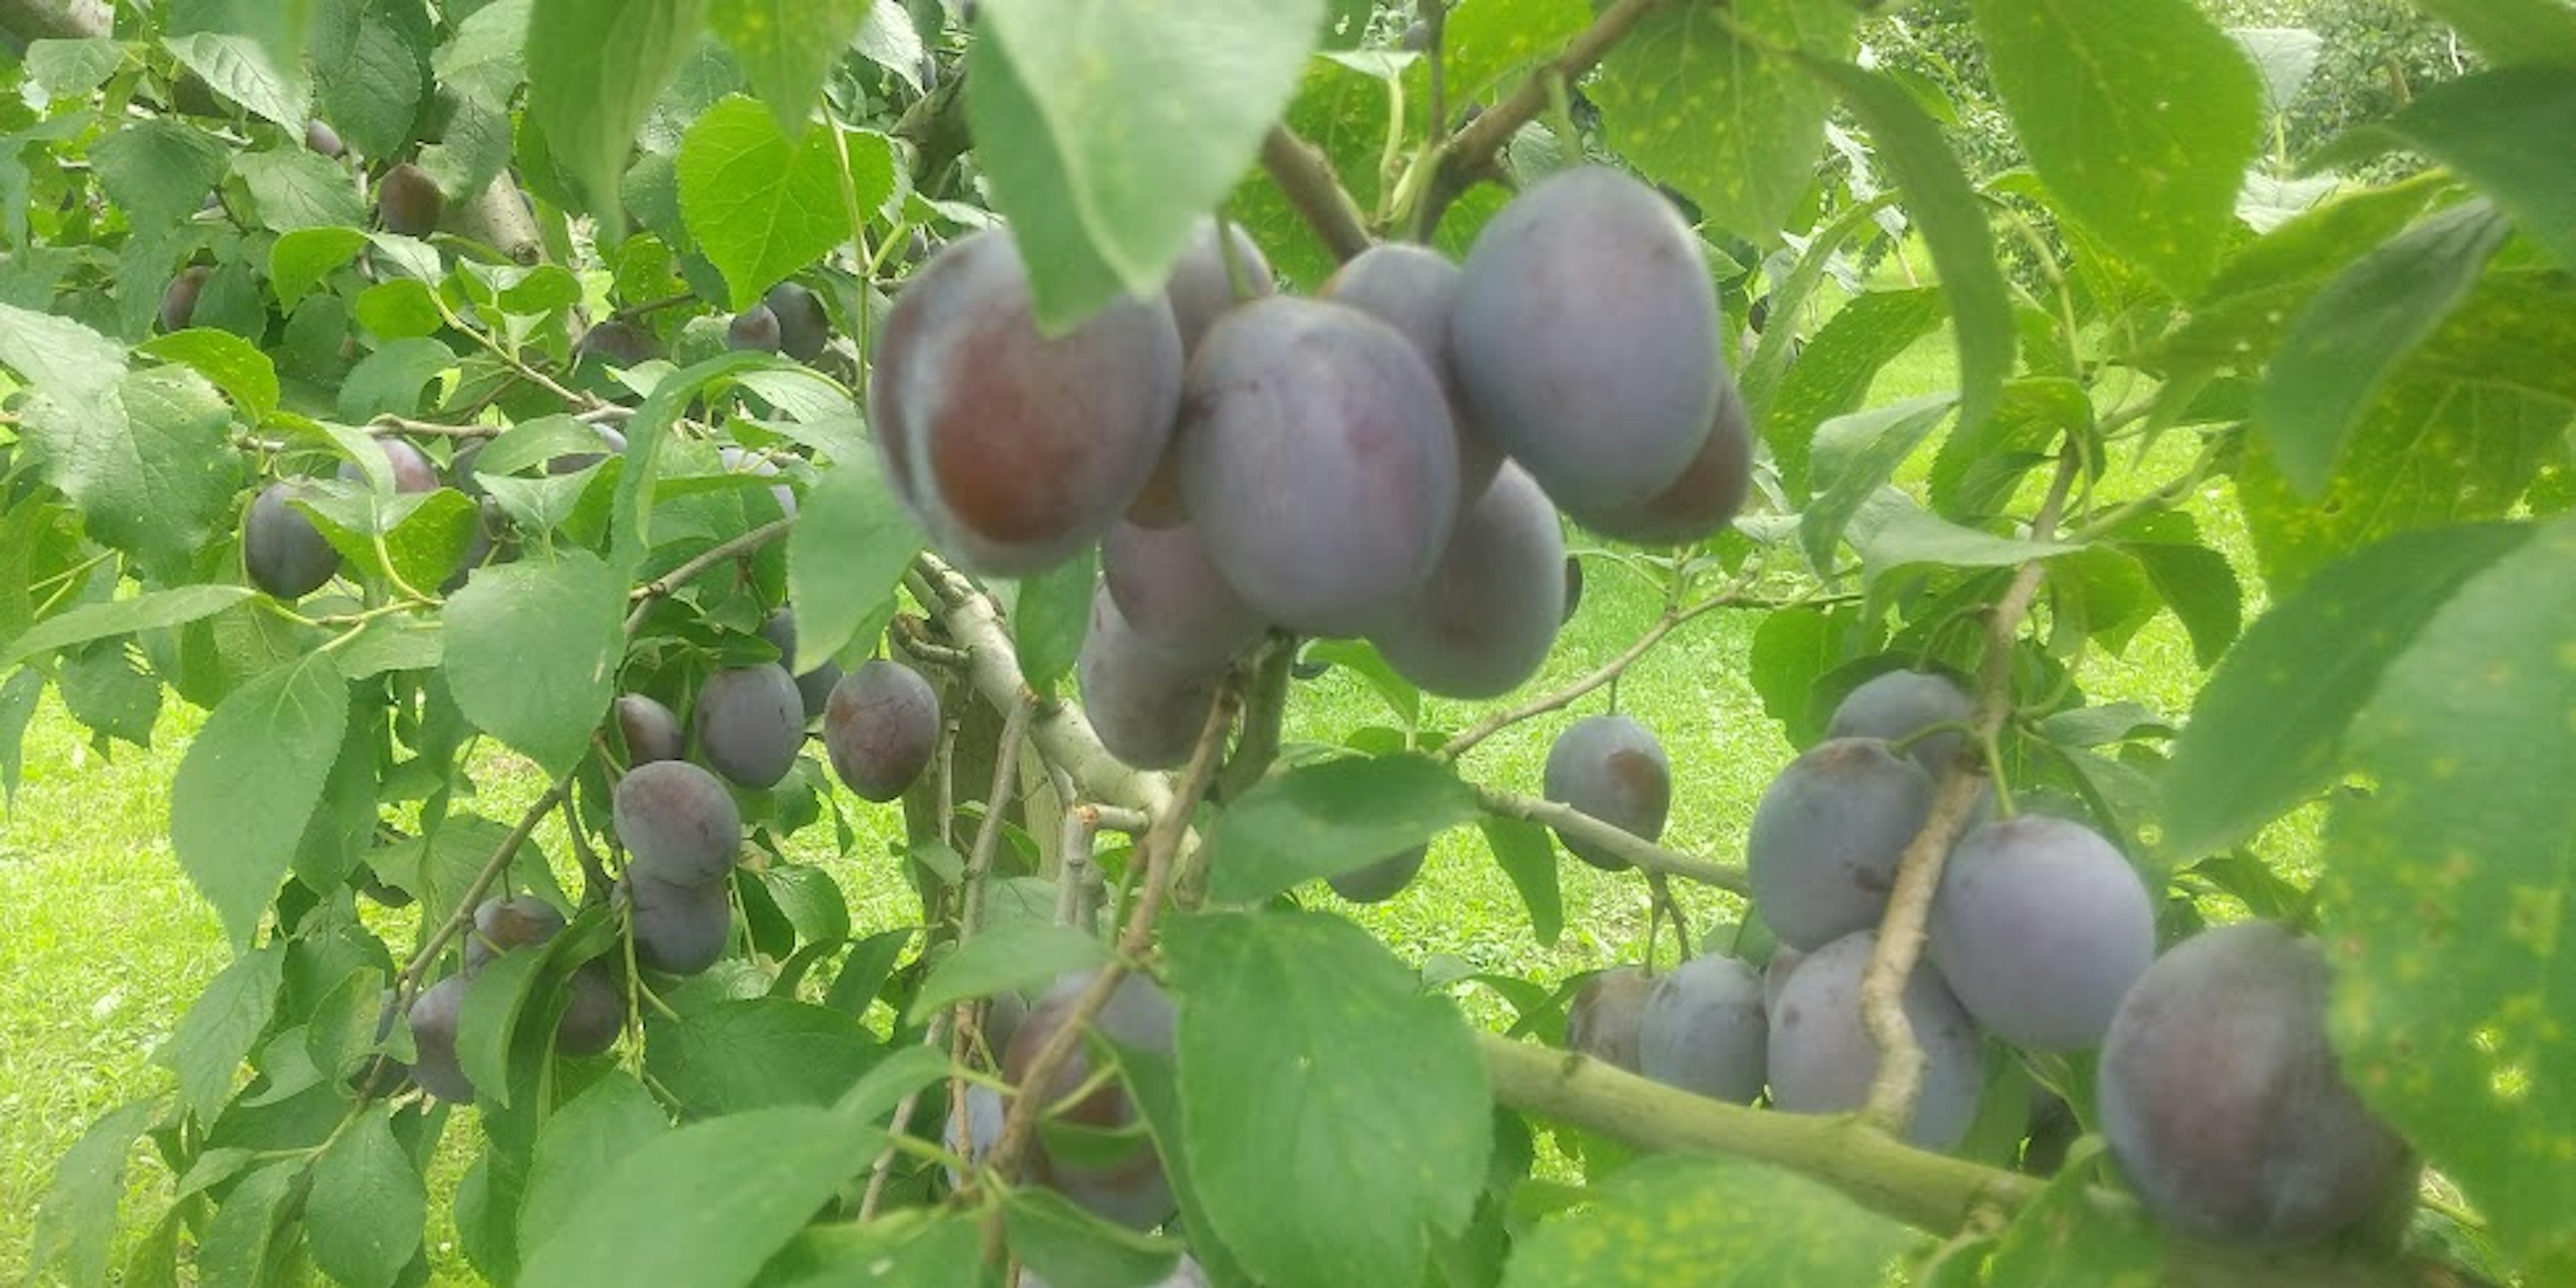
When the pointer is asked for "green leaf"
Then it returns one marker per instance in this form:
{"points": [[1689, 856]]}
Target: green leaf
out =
{"points": [[1732, 125], [221, 1027], [1835, 370], [2065, 1239], [2452, 886], [150, 610], [1526, 855], [2513, 31], [1156, 1087], [250, 780], [1979, 467], [1856, 456], [1890, 531], [608, 60], [363, 1218], [1104, 184], [1322, 819], [405, 311], [18, 697], [1069, 1245], [238, 68], [1714, 1222], [703, 1206], [301, 259], [1315, 1079], [159, 169], [105, 688], [532, 653], [488, 1027], [785, 48], [1050, 617], [902, 1247], [238, 1242], [1012, 955], [2199, 587], [1952, 222], [760, 204], [293, 188], [64, 360], [2499, 130], [2269, 727], [579, 1144], [757, 1052], [2140, 117], [76, 1222], [1485, 42], [2357, 330], [151, 465], [371, 68], [63, 69], [231, 363]]}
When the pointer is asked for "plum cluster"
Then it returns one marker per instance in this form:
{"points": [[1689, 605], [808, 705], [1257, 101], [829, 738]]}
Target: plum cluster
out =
{"points": [[1093, 1150], [594, 1004], [1386, 460]]}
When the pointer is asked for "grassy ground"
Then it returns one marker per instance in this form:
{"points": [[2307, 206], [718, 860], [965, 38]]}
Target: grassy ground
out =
{"points": [[105, 941]]}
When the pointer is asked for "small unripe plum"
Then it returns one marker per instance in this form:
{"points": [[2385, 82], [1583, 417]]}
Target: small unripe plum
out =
{"points": [[1482, 625], [1014, 449], [678, 823], [755, 329], [285, 554], [651, 730], [179, 302], [1319, 463], [1585, 334], [619, 342], [1380, 881], [1146, 710], [1699, 504], [2041, 927], [881, 728], [1614, 769], [1412, 288], [503, 924], [2223, 1101], [594, 1011], [1173, 596], [1130, 1190], [1603, 1019], [1201, 289], [1898, 705], [1704, 1030], [1822, 1060], [679, 929], [321, 138], [750, 723], [408, 201], [803, 327], [434, 1015], [1826, 836]]}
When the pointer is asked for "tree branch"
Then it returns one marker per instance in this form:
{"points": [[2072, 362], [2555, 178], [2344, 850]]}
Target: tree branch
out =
{"points": [[661, 587], [463, 915], [1307, 178], [1566, 820], [1468, 156], [1496, 722]]}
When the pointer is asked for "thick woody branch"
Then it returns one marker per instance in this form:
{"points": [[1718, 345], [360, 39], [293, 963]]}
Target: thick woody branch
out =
{"points": [[1567, 821], [1302, 173]]}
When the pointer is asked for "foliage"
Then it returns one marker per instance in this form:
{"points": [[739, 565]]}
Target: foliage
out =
{"points": [[384, 478]]}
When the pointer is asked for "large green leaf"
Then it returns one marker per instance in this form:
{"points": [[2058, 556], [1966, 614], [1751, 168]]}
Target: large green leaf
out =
{"points": [[64, 360], [1323, 819], [233, 364], [1711, 1222], [2357, 330], [1713, 113], [2269, 727], [159, 169], [785, 47], [2513, 31], [488, 1025], [761, 205], [1333, 1115], [242, 69], [363, 1217], [249, 782], [1527, 855], [240, 1239], [703, 1206], [532, 652], [1109, 128], [1856, 456], [2508, 131], [729, 1056], [371, 69], [151, 610], [221, 1027], [2451, 888], [579, 1144], [603, 64], [851, 545], [1835, 370], [76, 1222], [1014, 954], [2141, 117], [150, 464]]}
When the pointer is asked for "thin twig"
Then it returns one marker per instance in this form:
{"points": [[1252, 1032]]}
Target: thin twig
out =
{"points": [[662, 586], [392, 424], [1498, 721], [1574, 824], [463, 915], [988, 838], [883, 1168]]}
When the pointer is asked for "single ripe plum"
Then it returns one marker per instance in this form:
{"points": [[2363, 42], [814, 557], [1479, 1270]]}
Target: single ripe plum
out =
{"points": [[1014, 449], [619, 343], [408, 201], [679, 929], [880, 728], [1704, 1030], [1173, 596], [753, 330], [803, 327], [1131, 1190], [1482, 625], [412, 469], [1201, 288], [1614, 769], [1319, 463], [1822, 1060], [284, 553], [594, 1011], [1606, 1017], [1822, 849], [1382, 880], [1413, 288], [651, 730], [1899, 705], [678, 823], [1699, 504], [2041, 927], [434, 1015], [2223, 1101], [179, 300], [1146, 710], [750, 723], [503, 924]]}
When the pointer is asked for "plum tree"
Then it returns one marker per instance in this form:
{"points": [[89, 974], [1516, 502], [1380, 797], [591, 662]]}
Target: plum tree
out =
{"points": [[2224, 1103], [1826, 835], [1901, 705], [179, 299], [1614, 769], [1318, 462], [1606, 1014], [1011, 448], [1382, 880], [678, 823], [679, 929], [408, 201], [1607, 413], [1413, 288], [1707, 495], [1131, 1189], [284, 553], [651, 731], [1201, 286], [1821, 1059], [1483, 623], [2041, 927], [1146, 709], [750, 722], [434, 1016], [881, 728], [1704, 1030], [1173, 597], [803, 326], [755, 330]]}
